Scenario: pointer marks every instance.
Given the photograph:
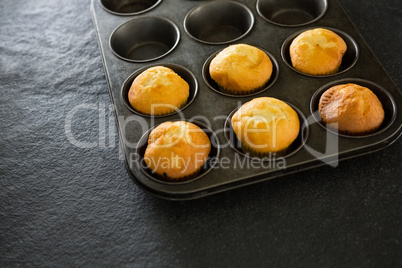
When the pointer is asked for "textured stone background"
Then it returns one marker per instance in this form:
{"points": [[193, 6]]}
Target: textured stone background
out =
{"points": [[65, 206]]}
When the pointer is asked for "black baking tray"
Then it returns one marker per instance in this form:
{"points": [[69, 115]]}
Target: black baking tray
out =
{"points": [[316, 146]]}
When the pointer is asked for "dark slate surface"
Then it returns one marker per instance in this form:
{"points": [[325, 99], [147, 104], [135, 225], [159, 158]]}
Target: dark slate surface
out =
{"points": [[66, 206]]}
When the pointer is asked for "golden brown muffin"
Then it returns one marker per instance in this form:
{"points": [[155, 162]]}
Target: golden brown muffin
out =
{"points": [[352, 109], [241, 69], [177, 150], [317, 52], [265, 125], [158, 91]]}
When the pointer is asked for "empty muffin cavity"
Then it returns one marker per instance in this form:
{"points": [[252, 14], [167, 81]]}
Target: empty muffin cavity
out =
{"points": [[215, 87], [382, 94], [131, 42], [183, 72], [296, 145], [349, 59], [128, 7], [218, 22], [210, 162], [291, 13]]}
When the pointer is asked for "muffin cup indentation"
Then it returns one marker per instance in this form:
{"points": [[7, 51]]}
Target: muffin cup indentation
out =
{"points": [[291, 13], [183, 72], [215, 87], [348, 61], [144, 39], [382, 94], [297, 144], [207, 167], [218, 22], [128, 7]]}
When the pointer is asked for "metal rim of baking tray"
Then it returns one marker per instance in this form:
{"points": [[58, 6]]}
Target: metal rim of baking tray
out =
{"points": [[129, 13]]}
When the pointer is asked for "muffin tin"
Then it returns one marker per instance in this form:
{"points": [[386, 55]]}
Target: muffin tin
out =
{"points": [[184, 35]]}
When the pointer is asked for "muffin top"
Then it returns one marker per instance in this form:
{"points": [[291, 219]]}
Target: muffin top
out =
{"points": [[351, 108], [317, 52], [241, 68], [266, 125], [177, 149], [157, 91]]}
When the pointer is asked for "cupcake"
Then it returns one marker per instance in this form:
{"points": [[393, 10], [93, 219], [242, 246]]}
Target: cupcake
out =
{"points": [[158, 91], [317, 52], [351, 109], [177, 150], [241, 69], [265, 125]]}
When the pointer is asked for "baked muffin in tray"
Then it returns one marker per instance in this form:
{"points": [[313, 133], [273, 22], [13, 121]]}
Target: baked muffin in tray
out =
{"points": [[317, 52], [351, 109], [177, 150], [158, 91], [265, 125], [241, 69]]}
